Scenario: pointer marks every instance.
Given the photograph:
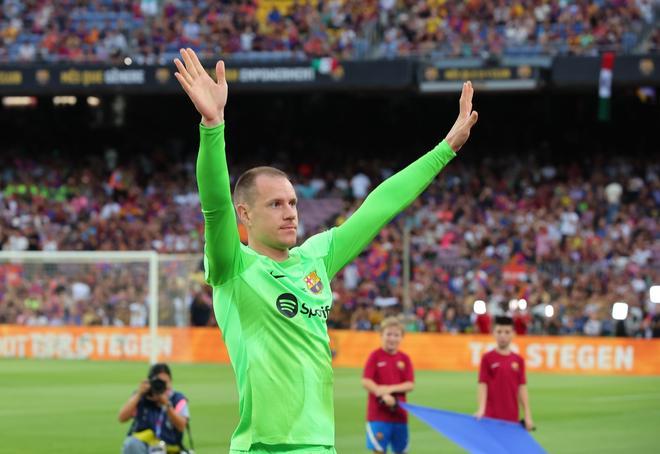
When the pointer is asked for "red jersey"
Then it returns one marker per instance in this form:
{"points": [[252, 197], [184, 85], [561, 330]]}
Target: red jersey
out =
{"points": [[483, 322], [386, 369], [503, 374], [520, 323]]}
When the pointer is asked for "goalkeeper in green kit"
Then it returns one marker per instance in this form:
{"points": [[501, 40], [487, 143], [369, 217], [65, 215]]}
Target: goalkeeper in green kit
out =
{"points": [[271, 298]]}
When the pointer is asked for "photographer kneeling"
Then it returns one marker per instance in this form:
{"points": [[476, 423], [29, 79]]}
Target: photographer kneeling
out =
{"points": [[159, 412]]}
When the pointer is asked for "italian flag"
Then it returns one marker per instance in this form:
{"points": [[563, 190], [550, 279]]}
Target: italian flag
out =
{"points": [[605, 86], [325, 65]]}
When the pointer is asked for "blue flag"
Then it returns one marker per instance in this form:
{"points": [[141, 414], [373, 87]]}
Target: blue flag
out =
{"points": [[483, 436]]}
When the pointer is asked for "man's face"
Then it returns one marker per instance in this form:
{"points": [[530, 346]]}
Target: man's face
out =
{"points": [[391, 338], [272, 215], [503, 336]]}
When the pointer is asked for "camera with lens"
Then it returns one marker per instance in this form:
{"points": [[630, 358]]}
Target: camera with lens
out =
{"points": [[157, 386]]}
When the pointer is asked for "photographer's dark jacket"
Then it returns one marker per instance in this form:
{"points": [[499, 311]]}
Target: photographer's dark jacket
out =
{"points": [[150, 415]]}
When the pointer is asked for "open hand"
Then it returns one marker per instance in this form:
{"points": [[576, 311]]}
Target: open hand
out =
{"points": [[467, 118], [208, 96]]}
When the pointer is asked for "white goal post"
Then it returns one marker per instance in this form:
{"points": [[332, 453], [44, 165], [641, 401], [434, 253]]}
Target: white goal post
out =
{"points": [[60, 262]]}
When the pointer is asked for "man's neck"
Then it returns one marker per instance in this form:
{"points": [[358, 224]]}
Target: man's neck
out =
{"points": [[503, 351], [279, 255]]}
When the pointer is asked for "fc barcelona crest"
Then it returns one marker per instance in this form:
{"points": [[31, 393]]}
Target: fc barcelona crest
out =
{"points": [[314, 283]]}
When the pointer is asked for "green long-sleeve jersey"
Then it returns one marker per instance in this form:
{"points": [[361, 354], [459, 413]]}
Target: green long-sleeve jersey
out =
{"points": [[273, 314]]}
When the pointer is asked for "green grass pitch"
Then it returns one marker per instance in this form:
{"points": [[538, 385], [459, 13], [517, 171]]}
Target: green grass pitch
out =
{"points": [[71, 407]]}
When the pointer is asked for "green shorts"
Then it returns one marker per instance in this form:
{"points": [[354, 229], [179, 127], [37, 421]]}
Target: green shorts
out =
{"points": [[260, 448]]}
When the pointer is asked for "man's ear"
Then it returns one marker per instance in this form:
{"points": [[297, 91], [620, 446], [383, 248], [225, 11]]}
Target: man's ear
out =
{"points": [[243, 214]]}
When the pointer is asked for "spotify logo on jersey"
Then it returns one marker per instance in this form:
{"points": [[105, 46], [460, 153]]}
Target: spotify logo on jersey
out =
{"points": [[287, 304]]}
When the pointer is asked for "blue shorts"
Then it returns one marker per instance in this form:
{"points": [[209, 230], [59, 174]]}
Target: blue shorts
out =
{"points": [[382, 434]]}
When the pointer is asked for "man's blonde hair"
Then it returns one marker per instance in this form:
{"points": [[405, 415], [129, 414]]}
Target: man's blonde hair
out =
{"points": [[392, 322]]}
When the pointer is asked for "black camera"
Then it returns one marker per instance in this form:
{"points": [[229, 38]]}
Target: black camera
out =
{"points": [[157, 386]]}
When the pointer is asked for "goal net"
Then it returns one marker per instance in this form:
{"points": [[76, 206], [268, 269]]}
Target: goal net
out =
{"points": [[63, 288]]}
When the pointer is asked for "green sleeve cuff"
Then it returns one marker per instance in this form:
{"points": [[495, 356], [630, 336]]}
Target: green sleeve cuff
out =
{"points": [[217, 128], [445, 151]]}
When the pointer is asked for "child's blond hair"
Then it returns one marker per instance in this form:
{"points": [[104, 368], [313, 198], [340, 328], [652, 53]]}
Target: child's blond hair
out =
{"points": [[392, 322]]}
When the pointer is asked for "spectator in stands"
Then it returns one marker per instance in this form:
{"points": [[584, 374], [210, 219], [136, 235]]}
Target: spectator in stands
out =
{"points": [[152, 32], [201, 308], [560, 235]]}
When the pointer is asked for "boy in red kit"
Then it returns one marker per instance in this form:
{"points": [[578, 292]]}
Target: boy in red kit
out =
{"points": [[502, 382], [388, 376]]}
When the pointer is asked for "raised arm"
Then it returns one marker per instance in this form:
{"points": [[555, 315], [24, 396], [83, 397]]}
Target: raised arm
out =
{"points": [[397, 192], [222, 243], [128, 410]]}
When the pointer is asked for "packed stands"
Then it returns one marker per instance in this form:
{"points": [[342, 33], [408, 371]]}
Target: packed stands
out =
{"points": [[152, 31], [574, 236]]}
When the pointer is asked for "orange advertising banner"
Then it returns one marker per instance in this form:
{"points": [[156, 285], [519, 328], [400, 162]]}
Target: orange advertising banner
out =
{"points": [[581, 355], [111, 343]]}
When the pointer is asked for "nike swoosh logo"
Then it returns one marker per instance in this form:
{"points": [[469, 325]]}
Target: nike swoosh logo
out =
{"points": [[277, 276]]}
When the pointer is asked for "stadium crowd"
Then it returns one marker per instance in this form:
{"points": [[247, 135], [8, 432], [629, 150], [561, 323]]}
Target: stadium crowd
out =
{"points": [[575, 237], [152, 31]]}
